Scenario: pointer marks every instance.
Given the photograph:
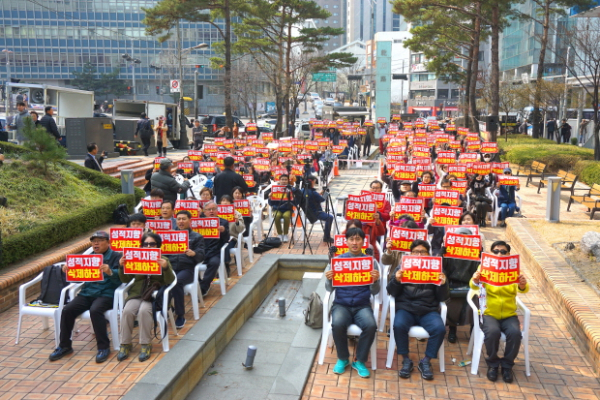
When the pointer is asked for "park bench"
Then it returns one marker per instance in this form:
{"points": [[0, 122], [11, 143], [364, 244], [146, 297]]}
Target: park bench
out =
{"points": [[567, 181], [535, 170], [591, 199]]}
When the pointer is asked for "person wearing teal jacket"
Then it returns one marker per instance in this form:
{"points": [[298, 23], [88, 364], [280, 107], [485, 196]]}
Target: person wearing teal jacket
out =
{"points": [[500, 316], [95, 297]]}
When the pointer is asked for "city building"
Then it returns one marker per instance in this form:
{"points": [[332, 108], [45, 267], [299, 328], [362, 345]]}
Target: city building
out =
{"points": [[365, 18], [337, 8]]}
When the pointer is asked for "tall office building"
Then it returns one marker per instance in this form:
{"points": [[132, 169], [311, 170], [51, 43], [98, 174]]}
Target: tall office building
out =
{"points": [[337, 8], [362, 13], [46, 40]]}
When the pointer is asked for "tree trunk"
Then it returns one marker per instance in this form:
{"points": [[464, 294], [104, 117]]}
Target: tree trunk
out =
{"points": [[227, 76], [475, 64], [495, 73], [596, 125], [467, 107], [540, 72]]}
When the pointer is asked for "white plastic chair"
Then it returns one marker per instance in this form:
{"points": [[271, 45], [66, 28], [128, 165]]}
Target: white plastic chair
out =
{"points": [[498, 209], [353, 330], [416, 332], [139, 208], [237, 252], [385, 300], [477, 336], [193, 289], [111, 315], [45, 313]]}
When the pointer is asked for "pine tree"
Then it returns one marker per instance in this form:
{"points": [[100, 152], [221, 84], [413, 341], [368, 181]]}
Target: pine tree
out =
{"points": [[43, 146]]}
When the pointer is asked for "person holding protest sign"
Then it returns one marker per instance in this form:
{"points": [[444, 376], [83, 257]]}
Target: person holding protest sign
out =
{"points": [[417, 304], [184, 264], [213, 247], [139, 301], [95, 297], [373, 231], [238, 194], [498, 314], [481, 203], [384, 212], [352, 305], [506, 198], [282, 209]]}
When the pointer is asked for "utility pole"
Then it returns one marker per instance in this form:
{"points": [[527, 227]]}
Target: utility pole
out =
{"points": [[563, 108]]}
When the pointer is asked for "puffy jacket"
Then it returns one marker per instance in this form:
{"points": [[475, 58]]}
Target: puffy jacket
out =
{"points": [[105, 288], [501, 301], [166, 278], [417, 299], [180, 262], [353, 296], [164, 181]]}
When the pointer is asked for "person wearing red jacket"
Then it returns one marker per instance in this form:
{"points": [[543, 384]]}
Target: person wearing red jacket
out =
{"points": [[384, 213]]}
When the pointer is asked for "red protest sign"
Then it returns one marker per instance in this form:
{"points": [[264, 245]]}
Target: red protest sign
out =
{"points": [[187, 167], [278, 171], [446, 157], [267, 137], [458, 170], [378, 198], [454, 228], [251, 127], [342, 246], [337, 149], [193, 206], [278, 193], [361, 210], [125, 237], [284, 147], [445, 215], [151, 208], [451, 197], [227, 212], [421, 270], [297, 169], [500, 270], [84, 268], [228, 144], [207, 167], [219, 141], [243, 207], [210, 149], [207, 227], [508, 180], [460, 186], [159, 225], [472, 137], [414, 210], [196, 155], [405, 172], [450, 128], [368, 122], [141, 261], [426, 191], [262, 164], [355, 271], [498, 168], [489, 147], [157, 162], [381, 120], [402, 238], [249, 179], [468, 157], [480, 168], [311, 145], [174, 242], [421, 151], [455, 144], [473, 145], [463, 247], [323, 142], [421, 161], [249, 152]]}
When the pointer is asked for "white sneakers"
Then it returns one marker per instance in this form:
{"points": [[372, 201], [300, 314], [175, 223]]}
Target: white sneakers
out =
{"points": [[284, 238]]}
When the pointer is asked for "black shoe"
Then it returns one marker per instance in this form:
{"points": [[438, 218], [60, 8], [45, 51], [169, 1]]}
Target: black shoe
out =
{"points": [[492, 374], [425, 368], [507, 374], [483, 223], [327, 239], [407, 367], [102, 355], [452, 334], [59, 353], [179, 322]]}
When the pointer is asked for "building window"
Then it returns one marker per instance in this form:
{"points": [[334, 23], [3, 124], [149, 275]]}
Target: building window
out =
{"points": [[335, 14], [422, 77], [214, 90], [422, 94], [455, 93], [442, 94], [326, 5], [335, 21], [335, 6]]}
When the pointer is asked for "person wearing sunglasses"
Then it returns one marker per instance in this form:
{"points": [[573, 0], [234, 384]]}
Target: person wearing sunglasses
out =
{"points": [[418, 305], [139, 301], [500, 316]]}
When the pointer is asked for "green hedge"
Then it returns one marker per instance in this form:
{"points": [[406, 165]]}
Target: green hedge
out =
{"points": [[12, 149], [21, 245]]}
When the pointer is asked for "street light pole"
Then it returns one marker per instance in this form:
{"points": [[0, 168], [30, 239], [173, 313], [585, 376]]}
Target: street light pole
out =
{"points": [[563, 109], [6, 94]]}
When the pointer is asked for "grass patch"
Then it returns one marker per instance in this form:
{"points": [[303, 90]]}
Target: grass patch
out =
{"points": [[564, 231]]}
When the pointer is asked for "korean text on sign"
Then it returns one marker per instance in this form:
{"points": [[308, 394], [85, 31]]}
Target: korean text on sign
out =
{"points": [[414, 210], [339, 241], [141, 261], [243, 207], [508, 180], [125, 237], [378, 198], [151, 208], [426, 191], [84, 268], [421, 270], [157, 161], [159, 225], [187, 167], [402, 238], [227, 212], [500, 270], [207, 167], [446, 157], [195, 155], [446, 215], [464, 247], [278, 193], [405, 172], [188, 205], [442, 196], [360, 210], [459, 171], [352, 271], [454, 228], [174, 242], [207, 227]]}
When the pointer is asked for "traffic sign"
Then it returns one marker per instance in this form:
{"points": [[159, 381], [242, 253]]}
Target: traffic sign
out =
{"points": [[324, 77], [175, 86]]}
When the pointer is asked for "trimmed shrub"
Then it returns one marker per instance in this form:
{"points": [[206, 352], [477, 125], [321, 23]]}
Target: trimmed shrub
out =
{"points": [[588, 171], [556, 156], [12, 149]]}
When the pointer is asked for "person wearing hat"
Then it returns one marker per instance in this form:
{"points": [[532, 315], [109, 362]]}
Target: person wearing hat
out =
{"points": [[95, 297], [458, 273], [164, 181], [506, 199]]}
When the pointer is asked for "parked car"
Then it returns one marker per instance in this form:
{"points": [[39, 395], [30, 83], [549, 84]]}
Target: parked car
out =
{"points": [[329, 101], [314, 96], [212, 123], [302, 130]]}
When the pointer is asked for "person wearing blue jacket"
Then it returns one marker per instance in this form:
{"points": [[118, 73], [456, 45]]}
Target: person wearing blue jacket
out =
{"points": [[352, 305], [313, 204], [506, 200], [95, 297]]}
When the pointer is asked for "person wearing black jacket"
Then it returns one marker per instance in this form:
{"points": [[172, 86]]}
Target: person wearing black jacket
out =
{"points": [[164, 181], [144, 128], [482, 204], [313, 206], [91, 161], [418, 305], [184, 264], [213, 247], [228, 179], [48, 122]]}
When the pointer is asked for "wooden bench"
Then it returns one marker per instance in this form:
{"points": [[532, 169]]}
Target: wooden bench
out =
{"points": [[535, 170], [591, 199], [567, 182]]}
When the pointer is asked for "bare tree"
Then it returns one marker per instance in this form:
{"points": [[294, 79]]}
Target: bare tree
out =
{"points": [[248, 84]]}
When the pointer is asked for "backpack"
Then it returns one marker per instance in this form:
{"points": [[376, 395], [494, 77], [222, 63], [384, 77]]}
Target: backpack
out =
{"points": [[313, 315], [54, 280], [267, 244], [121, 215]]}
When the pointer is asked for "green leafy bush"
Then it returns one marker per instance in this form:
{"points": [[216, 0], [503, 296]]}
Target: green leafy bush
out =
{"points": [[43, 147], [588, 171], [556, 156]]}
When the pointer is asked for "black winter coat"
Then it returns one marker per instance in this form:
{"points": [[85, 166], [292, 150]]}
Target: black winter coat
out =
{"points": [[417, 299]]}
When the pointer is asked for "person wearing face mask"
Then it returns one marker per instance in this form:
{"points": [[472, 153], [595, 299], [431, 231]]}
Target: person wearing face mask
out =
{"points": [[480, 202], [500, 316]]}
